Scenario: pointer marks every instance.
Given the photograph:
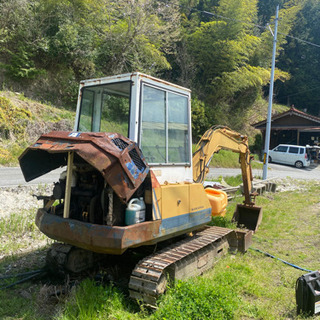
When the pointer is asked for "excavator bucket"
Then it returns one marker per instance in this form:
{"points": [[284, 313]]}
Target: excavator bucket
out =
{"points": [[248, 216]]}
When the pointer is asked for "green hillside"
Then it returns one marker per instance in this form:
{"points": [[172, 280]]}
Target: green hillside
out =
{"points": [[23, 120]]}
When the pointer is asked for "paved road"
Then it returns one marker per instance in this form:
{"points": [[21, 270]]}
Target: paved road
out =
{"points": [[13, 176], [274, 171]]}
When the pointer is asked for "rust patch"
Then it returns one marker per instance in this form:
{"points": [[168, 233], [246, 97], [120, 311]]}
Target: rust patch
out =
{"points": [[116, 157], [94, 237]]}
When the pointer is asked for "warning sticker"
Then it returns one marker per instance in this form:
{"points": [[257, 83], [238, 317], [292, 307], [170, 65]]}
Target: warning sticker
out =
{"points": [[317, 307]]}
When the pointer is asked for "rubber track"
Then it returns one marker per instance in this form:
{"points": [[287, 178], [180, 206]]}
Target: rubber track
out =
{"points": [[147, 276]]}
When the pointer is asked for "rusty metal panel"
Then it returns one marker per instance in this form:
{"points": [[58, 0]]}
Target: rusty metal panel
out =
{"points": [[94, 237], [116, 157]]}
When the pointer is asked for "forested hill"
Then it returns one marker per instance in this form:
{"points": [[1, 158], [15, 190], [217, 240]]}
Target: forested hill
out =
{"points": [[221, 49]]}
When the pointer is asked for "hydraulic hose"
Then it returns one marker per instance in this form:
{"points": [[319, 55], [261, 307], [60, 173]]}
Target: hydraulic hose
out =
{"points": [[285, 262], [30, 275], [17, 275]]}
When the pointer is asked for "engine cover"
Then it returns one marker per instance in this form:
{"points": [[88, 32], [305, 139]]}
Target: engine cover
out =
{"points": [[117, 158]]}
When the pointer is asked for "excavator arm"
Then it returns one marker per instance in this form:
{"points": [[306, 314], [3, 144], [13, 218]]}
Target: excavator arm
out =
{"points": [[215, 139]]}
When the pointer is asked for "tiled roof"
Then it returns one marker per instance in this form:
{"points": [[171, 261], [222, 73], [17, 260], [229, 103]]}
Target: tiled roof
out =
{"points": [[290, 112]]}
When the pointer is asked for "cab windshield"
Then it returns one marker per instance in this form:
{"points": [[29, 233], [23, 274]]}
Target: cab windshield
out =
{"points": [[105, 108]]}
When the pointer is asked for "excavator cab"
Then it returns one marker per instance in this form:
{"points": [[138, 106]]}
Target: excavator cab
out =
{"points": [[156, 115], [153, 113]]}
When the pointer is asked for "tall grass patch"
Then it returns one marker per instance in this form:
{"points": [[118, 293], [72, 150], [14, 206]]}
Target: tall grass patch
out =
{"points": [[199, 298], [91, 301], [18, 230], [230, 159]]}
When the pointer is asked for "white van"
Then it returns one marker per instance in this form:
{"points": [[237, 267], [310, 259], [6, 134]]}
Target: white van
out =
{"points": [[290, 154]]}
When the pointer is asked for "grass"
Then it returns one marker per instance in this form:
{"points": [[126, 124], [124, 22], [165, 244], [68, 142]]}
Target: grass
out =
{"points": [[10, 151], [18, 232], [232, 181], [91, 301], [23, 120], [36, 110], [198, 298], [242, 286], [229, 159]]}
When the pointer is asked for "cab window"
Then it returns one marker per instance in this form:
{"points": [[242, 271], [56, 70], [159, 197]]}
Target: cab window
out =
{"points": [[105, 108], [164, 134]]}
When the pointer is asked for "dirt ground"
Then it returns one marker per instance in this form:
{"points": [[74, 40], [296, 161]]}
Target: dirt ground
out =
{"points": [[21, 198]]}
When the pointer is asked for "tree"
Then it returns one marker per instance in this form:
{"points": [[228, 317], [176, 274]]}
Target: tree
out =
{"points": [[20, 38], [302, 60], [138, 36], [231, 57], [222, 50], [58, 43]]}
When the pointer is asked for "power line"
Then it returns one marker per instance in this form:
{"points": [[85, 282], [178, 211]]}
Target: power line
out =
{"points": [[235, 20], [305, 41], [297, 93], [220, 16], [241, 21]]}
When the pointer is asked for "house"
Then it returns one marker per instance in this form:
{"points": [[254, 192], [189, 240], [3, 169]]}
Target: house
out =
{"points": [[292, 127]]}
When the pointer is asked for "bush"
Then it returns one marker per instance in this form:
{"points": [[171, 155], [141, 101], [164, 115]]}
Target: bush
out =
{"points": [[12, 119], [198, 299]]}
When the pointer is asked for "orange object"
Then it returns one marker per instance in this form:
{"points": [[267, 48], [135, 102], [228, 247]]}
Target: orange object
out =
{"points": [[218, 200]]}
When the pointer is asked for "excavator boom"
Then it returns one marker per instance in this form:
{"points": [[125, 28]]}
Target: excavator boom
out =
{"points": [[215, 139]]}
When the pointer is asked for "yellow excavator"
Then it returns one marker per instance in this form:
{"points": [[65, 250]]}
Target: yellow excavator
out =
{"points": [[137, 188]]}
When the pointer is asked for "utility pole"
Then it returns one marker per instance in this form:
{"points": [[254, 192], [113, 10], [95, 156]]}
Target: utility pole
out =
{"points": [[268, 126]]}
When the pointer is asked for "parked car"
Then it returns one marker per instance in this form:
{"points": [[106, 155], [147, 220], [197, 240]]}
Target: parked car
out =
{"points": [[290, 154]]}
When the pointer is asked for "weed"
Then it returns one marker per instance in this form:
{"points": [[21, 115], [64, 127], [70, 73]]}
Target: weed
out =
{"points": [[229, 159], [199, 299], [92, 301], [222, 222], [22, 120], [233, 181], [21, 224]]}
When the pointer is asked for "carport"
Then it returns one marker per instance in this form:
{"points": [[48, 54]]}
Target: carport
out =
{"points": [[292, 127]]}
